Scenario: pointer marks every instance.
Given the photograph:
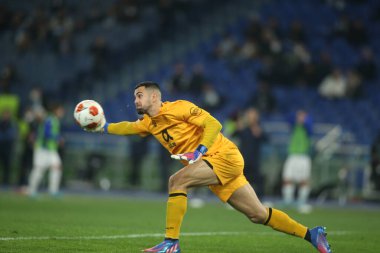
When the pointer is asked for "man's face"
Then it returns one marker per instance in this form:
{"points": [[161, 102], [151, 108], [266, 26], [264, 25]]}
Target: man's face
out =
{"points": [[143, 100], [301, 117], [60, 112]]}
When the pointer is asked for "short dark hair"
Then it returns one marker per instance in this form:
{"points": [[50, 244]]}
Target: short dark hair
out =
{"points": [[148, 84]]}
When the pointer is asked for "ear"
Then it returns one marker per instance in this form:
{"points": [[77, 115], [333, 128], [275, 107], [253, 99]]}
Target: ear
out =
{"points": [[154, 96]]}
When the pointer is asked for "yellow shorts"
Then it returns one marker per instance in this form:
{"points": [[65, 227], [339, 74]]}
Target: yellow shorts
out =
{"points": [[228, 165]]}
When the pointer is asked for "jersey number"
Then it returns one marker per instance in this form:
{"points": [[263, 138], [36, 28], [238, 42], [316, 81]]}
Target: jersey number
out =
{"points": [[166, 136]]}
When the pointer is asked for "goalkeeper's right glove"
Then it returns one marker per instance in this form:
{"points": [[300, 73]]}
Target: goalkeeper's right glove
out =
{"points": [[192, 157], [101, 128]]}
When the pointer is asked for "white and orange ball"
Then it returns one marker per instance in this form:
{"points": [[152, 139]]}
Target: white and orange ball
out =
{"points": [[89, 114]]}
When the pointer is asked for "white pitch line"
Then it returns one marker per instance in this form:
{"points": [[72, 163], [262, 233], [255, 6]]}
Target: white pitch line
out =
{"points": [[113, 237], [106, 237]]}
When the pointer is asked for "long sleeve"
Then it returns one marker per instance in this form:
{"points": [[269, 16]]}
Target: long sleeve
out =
{"points": [[212, 128], [127, 128]]}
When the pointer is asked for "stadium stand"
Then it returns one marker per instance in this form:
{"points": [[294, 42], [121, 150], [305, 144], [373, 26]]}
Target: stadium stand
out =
{"points": [[99, 49]]}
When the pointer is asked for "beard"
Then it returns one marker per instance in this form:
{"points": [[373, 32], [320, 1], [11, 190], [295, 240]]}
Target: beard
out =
{"points": [[143, 109], [140, 111]]}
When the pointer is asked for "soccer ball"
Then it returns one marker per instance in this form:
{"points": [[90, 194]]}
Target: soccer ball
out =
{"points": [[89, 114]]}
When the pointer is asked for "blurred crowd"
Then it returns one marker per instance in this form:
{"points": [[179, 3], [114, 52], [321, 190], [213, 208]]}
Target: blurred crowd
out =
{"points": [[53, 26], [61, 29], [286, 59]]}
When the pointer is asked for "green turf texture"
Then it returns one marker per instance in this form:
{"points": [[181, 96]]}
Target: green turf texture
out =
{"points": [[83, 223]]}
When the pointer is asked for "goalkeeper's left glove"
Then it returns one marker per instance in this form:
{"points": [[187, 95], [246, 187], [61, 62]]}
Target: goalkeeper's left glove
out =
{"points": [[101, 128], [191, 157]]}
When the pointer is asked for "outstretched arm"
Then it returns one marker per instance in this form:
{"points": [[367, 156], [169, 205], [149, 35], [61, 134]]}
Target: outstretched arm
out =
{"points": [[120, 128], [123, 128]]}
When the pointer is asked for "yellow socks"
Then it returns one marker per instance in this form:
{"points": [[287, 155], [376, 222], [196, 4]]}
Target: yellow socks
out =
{"points": [[175, 210], [177, 206], [280, 221]]}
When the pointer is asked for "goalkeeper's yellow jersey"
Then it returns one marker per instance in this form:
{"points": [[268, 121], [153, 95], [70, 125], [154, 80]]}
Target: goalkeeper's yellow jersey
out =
{"points": [[178, 127]]}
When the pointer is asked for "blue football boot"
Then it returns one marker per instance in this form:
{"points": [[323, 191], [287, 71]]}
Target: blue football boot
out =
{"points": [[319, 240], [167, 246]]}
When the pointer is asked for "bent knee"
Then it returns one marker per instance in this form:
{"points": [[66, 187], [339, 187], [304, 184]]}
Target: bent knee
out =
{"points": [[258, 217], [176, 182], [171, 182]]}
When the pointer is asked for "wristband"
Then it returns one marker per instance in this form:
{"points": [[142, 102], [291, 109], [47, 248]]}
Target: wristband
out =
{"points": [[105, 128], [202, 149]]}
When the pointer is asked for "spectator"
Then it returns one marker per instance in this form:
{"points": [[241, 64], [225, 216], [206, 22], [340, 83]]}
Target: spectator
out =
{"points": [[10, 102], [287, 65], [8, 78], [211, 99], [230, 125], [357, 33], [5, 17], [249, 50], [301, 59], [226, 49], [301, 53], [254, 29], [341, 27], [179, 82], [129, 11], [269, 43], [297, 32], [61, 23], [334, 85], [100, 52], [167, 17], [30, 122], [323, 66], [39, 28], [110, 19], [34, 114], [8, 135], [268, 71], [354, 84], [165, 165], [251, 138], [197, 79], [273, 25], [138, 151], [65, 45], [263, 99], [367, 67], [297, 168], [95, 14], [375, 163], [22, 42], [338, 5], [308, 75], [37, 102]]}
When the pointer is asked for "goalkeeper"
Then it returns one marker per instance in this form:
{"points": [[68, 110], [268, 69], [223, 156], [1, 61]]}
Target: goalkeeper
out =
{"points": [[193, 136]]}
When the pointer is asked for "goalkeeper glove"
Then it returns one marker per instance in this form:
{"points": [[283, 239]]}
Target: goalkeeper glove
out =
{"points": [[191, 157]]}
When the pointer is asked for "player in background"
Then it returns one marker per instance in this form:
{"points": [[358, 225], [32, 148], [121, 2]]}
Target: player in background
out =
{"points": [[193, 136], [297, 167], [46, 152]]}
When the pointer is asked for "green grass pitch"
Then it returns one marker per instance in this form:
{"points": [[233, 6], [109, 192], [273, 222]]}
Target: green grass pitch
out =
{"points": [[83, 223]]}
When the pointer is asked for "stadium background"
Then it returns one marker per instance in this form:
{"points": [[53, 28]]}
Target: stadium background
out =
{"points": [[74, 50]]}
